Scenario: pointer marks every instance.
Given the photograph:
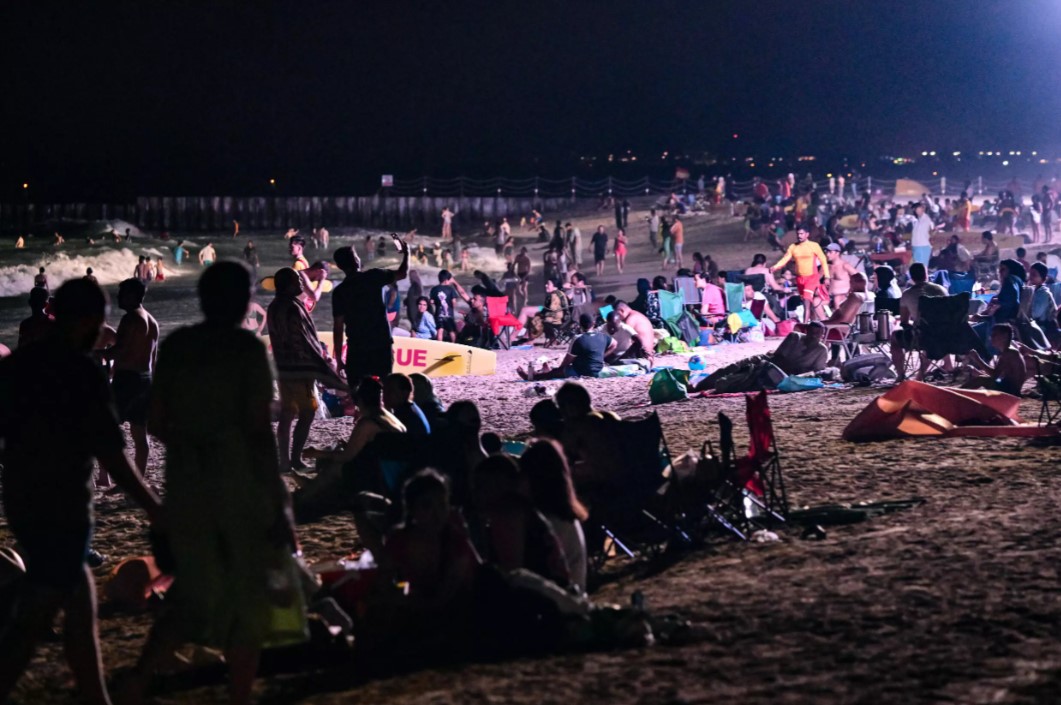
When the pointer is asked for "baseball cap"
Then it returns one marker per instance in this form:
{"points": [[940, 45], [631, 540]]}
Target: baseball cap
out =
{"points": [[833, 247]]}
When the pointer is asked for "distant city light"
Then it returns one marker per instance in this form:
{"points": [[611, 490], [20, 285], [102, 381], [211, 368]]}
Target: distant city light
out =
{"points": [[272, 182], [932, 154], [924, 154], [956, 154], [1005, 162], [25, 185], [735, 135]]}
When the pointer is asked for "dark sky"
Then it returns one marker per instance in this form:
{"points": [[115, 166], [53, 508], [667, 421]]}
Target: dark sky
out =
{"points": [[134, 97]]}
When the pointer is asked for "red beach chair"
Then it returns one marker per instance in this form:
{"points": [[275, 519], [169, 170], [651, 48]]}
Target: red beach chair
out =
{"points": [[502, 323]]}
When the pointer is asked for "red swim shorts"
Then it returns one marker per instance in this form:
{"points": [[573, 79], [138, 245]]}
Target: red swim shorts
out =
{"points": [[807, 287]]}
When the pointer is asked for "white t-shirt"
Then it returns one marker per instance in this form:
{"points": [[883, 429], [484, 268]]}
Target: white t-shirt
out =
{"points": [[920, 235]]}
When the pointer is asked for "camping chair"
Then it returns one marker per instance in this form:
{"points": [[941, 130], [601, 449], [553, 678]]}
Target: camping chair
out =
{"points": [[501, 322], [629, 515], [566, 330], [724, 500], [762, 452], [943, 327], [676, 319], [734, 297], [961, 282], [1049, 386]]}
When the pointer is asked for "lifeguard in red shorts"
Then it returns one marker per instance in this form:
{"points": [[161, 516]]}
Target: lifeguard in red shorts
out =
{"points": [[808, 256]]}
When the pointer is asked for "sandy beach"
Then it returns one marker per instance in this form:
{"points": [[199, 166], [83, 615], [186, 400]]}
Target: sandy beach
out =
{"points": [[956, 600]]}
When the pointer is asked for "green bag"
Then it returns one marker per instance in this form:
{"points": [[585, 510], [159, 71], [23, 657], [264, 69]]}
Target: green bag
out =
{"points": [[668, 385], [671, 344]]}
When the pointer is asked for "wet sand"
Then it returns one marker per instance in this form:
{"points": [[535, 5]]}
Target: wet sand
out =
{"points": [[954, 601]]}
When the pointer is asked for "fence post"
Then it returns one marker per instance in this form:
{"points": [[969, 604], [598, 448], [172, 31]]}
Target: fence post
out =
{"points": [[980, 185], [943, 185], [869, 184], [574, 182]]}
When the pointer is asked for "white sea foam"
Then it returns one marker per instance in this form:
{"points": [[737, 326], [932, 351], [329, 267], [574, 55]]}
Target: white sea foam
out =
{"points": [[109, 266]]}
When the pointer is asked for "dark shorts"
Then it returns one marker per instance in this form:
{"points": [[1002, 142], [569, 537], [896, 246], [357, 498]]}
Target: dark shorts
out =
{"points": [[905, 337], [132, 395], [599, 256], [54, 555], [447, 324], [371, 362]]}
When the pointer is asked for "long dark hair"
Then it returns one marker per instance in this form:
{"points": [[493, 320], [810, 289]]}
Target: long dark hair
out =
{"points": [[549, 479]]}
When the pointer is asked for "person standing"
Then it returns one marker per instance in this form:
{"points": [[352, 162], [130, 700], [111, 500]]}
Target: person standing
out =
{"points": [[618, 214], [229, 524], [40, 323], [300, 363], [41, 279], [573, 238], [620, 250], [504, 232], [179, 252], [920, 237], [599, 243], [677, 231], [653, 228], [444, 297], [1048, 202], [207, 255], [807, 255], [56, 416], [447, 223], [134, 354], [358, 314], [250, 256]]}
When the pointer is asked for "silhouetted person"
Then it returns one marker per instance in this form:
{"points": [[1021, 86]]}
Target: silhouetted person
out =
{"points": [[300, 363], [40, 323], [56, 415], [230, 529], [359, 313], [134, 353]]}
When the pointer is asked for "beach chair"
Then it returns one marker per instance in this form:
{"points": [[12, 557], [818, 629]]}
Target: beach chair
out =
{"points": [[961, 282], [629, 516], [500, 320], [723, 503], [764, 456], [734, 297], [676, 319], [943, 328], [1049, 388]]}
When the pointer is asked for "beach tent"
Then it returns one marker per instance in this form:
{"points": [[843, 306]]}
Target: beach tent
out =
{"points": [[918, 409]]}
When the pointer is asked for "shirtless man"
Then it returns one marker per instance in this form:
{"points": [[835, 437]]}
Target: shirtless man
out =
{"points": [[134, 354], [1008, 373], [207, 255], [41, 279], [840, 273], [847, 311], [642, 329], [40, 323], [807, 255]]}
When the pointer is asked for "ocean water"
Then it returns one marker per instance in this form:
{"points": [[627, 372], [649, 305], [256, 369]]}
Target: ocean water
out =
{"points": [[173, 302]]}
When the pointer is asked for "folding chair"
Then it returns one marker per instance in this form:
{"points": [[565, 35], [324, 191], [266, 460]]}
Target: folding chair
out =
{"points": [[763, 453], [1049, 386], [630, 515], [943, 327], [723, 504], [500, 320], [734, 297]]}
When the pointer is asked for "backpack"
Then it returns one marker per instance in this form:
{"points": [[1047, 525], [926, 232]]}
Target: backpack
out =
{"points": [[866, 369]]}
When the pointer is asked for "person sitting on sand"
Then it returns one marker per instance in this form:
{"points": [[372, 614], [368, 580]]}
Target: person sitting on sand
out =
{"points": [[423, 324], [1009, 371], [585, 356], [432, 553], [40, 323], [300, 364], [799, 353], [546, 420], [373, 419], [642, 329], [586, 430], [627, 344], [424, 397], [552, 492], [507, 530], [398, 398]]}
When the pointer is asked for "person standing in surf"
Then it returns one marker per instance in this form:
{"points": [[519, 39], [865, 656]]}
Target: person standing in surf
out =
{"points": [[359, 314]]}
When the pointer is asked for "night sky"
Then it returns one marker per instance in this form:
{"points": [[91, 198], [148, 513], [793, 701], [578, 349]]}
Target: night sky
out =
{"points": [[125, 98]]}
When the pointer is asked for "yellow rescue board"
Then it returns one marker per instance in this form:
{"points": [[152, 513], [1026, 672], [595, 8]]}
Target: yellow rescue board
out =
{"points": [[269, 284], [432, 357]]}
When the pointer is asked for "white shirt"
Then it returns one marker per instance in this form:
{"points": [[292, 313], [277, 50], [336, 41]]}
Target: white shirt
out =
{"points": [[920, 235]]}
